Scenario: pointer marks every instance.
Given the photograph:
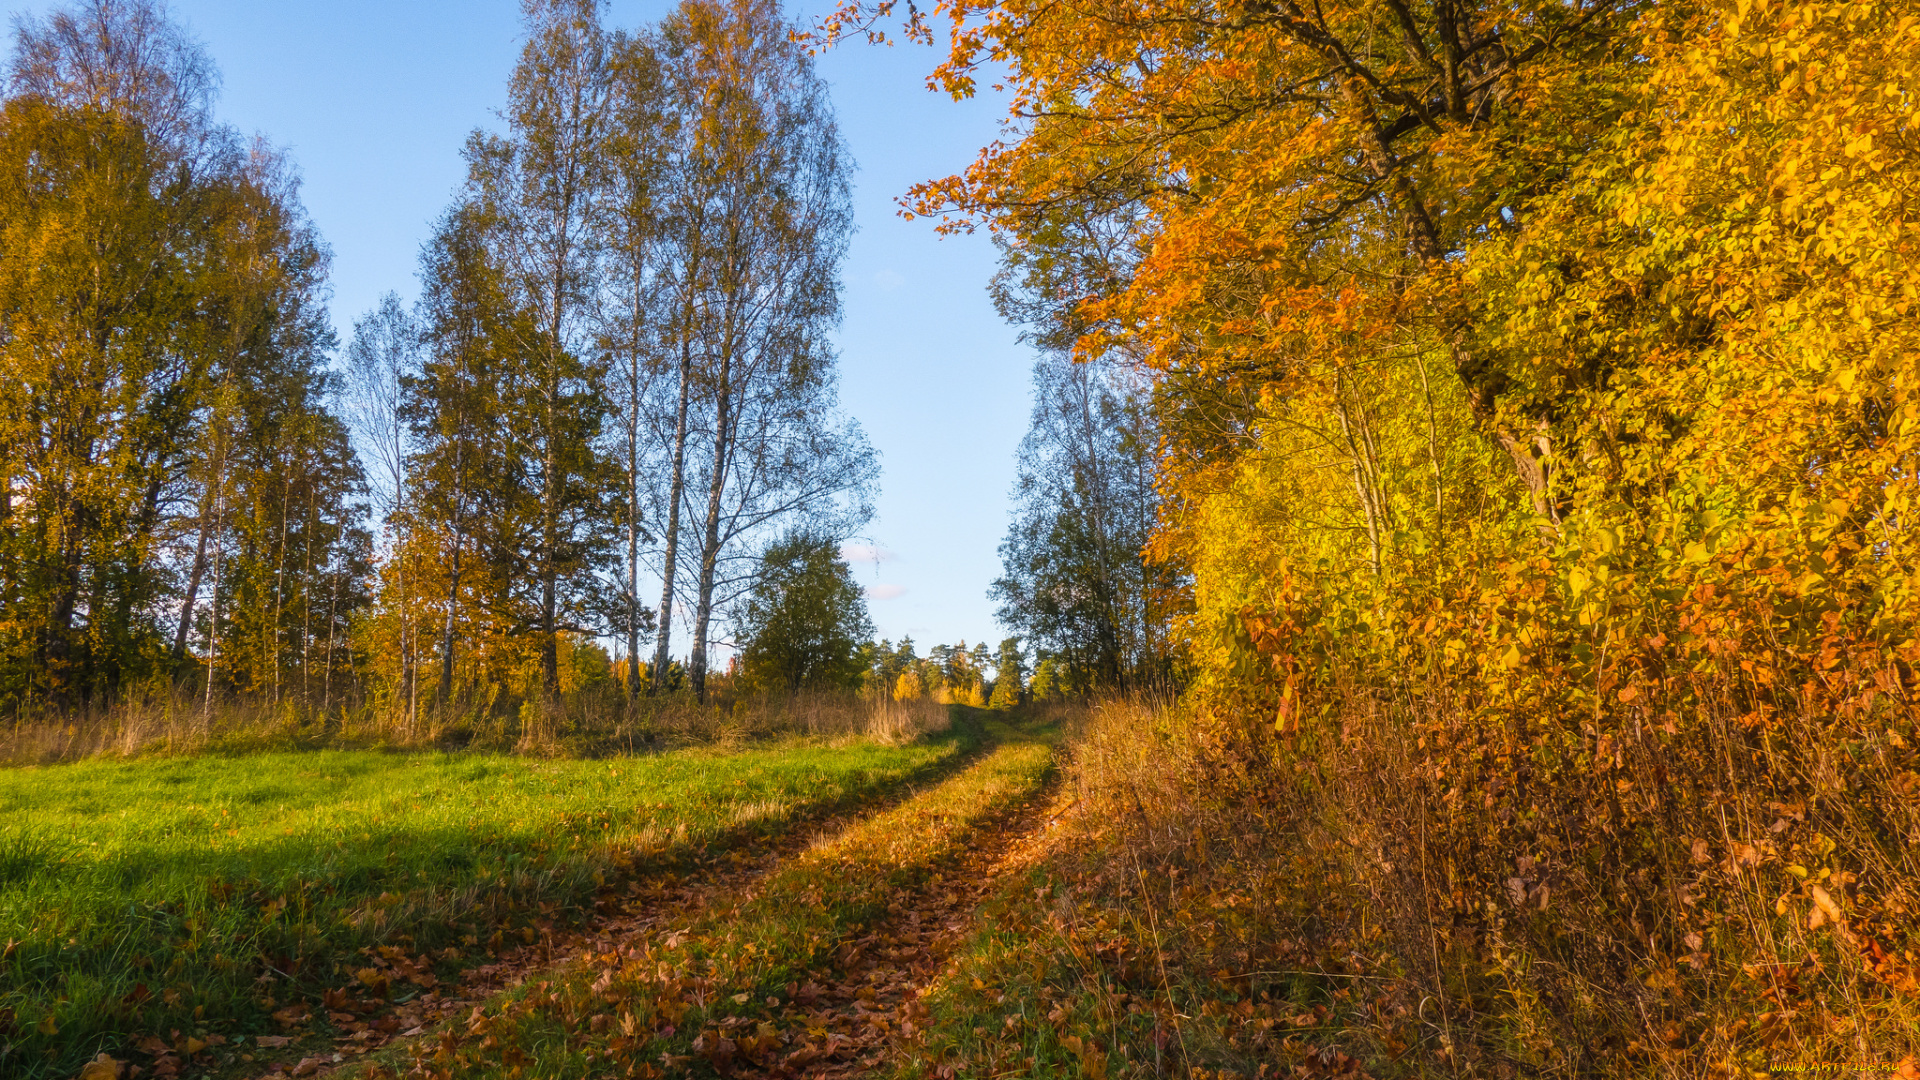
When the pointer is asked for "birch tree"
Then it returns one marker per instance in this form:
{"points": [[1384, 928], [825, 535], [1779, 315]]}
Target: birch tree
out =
{"points": [[383, 355], [1076, 583], [767, 224], [641, 131]]}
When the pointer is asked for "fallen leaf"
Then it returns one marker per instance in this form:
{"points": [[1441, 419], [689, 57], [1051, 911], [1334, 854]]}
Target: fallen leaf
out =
{"points": [[102, 1067], [272, 1042], [1824, 902]]}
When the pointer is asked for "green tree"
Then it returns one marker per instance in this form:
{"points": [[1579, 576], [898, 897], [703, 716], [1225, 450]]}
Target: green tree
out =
{"points": [[1049, 680], [466, 497], [1075, 577], [1009, 675], [539, 189], [804, 619], [163, 419], [887, 662]]}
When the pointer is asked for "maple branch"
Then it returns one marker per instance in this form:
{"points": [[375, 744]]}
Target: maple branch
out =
{"points": [[1410, 120], [1380, 158], [1410, 32]]}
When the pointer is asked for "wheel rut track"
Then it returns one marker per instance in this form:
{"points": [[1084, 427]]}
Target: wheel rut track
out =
{"points": [[872, 993], [738, 990], [654, 896]]}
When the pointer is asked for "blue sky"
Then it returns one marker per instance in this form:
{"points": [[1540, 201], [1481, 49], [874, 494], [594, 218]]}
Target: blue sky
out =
{"points": [[373, 100]]}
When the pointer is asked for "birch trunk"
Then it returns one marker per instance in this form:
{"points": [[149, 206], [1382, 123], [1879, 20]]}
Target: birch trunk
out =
{"points": [[194, 577], [710, 537], [675, 489]]}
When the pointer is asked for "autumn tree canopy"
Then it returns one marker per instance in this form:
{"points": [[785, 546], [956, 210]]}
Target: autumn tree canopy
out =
{"points": [[618, 375], [1533, 388]]}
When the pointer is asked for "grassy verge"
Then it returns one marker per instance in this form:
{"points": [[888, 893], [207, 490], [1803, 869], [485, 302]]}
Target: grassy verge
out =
{"points": [[205, 895], [1205, 913], [726, 993], [1165, 933]]}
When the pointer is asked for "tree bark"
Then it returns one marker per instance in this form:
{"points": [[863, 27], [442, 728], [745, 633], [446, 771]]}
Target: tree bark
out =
{"points": [[280, 586], [333, 622], [710, 536], [549, 570], [193, 585], [1532, 453], [633, 526], [445, 689], [675, 488]]}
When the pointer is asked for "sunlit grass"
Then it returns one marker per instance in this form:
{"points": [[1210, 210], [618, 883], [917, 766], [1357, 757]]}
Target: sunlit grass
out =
{"points": [[199, 893], [719, 983]]}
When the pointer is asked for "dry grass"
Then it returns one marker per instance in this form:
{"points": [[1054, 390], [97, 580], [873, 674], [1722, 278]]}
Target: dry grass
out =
{"points": [[1682, 894], [839, 716], [1395, 896], [175, 723], [597, 720]]}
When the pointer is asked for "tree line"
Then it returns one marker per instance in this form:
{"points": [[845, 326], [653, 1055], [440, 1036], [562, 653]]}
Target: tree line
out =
{"points": [[615, 390], [176, 480], [805, 627]]}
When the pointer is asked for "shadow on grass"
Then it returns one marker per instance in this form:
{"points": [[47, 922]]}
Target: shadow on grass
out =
{"points": [[206, 926]]}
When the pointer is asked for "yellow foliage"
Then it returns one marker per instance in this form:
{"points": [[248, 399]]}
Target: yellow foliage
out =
{"points": [[1542, 464], [907, 687]]}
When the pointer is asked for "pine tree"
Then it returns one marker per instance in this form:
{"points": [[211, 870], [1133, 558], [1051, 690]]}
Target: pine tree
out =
{"points": [[1009, 675]]}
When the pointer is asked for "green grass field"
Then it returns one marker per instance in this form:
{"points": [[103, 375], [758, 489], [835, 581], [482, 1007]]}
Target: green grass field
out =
{"points": [[199, 893]]}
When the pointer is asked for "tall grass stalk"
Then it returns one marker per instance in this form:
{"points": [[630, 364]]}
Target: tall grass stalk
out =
{"points": [[596, 720], [1662, 900]]}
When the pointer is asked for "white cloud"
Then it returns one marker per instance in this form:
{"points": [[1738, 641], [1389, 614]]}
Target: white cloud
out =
{"points": [[858, 553], [888, 280], [885, 592]]}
